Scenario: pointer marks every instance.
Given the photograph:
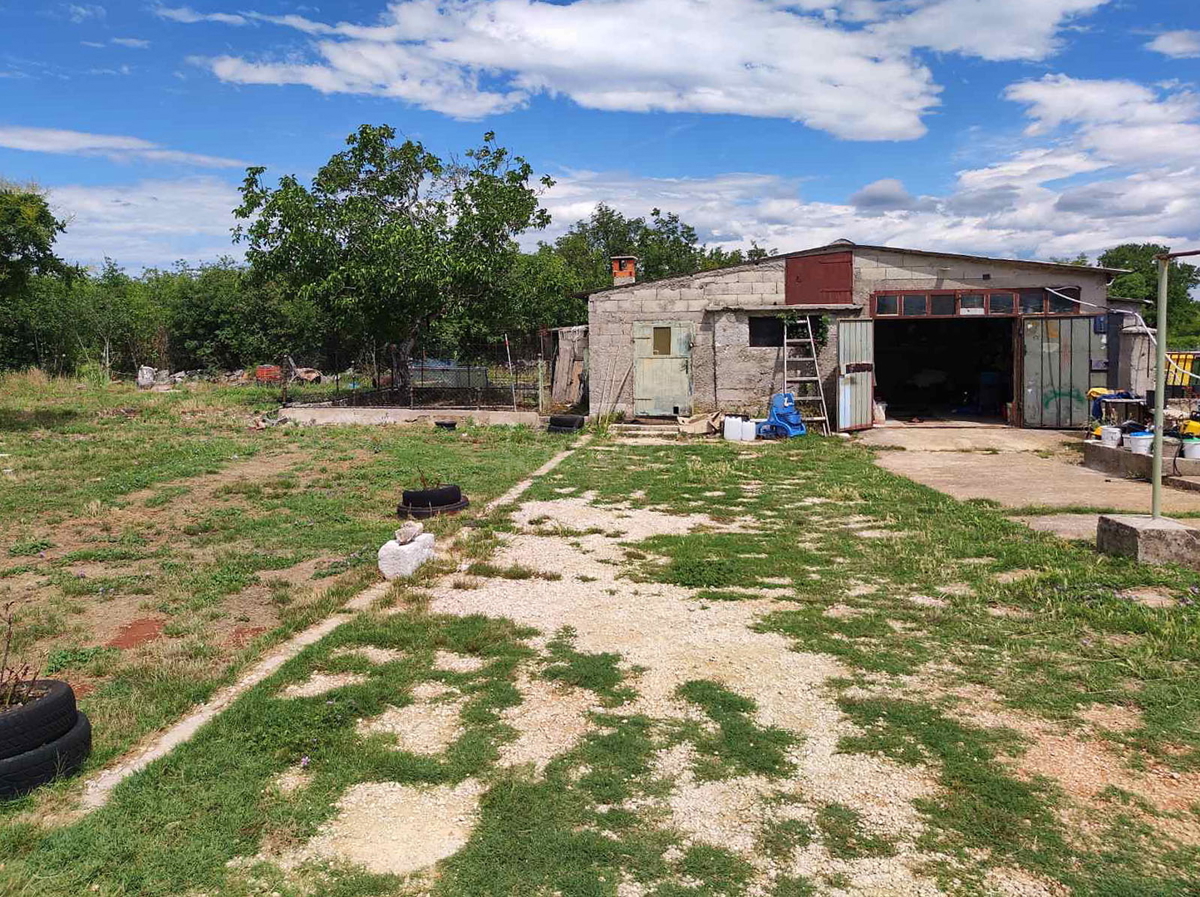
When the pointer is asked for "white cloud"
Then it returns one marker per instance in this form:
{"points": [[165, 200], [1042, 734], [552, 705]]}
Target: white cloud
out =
{"points": [[131, 42], [151, 223], [843, 66], [989, 29], [189, 16], [82, 12], [78, 143], [1177, 44], [1114, 162]]}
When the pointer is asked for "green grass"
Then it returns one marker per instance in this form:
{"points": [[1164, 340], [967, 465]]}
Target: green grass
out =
{"points": [[740, 746], [114, 477]]}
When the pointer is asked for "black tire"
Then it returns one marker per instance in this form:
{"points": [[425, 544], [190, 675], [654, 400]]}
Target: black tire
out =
{"points": [[31, 725], [431, 498], [563, 422], [61, 757], [446, 424], [419, 513]]}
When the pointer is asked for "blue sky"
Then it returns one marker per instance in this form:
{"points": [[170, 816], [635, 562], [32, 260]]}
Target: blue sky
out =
{"points": [[1032, 128]]}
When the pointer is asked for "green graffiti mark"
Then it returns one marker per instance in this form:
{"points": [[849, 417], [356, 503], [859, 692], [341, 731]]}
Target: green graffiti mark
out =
{"points": [[1053, 395]]}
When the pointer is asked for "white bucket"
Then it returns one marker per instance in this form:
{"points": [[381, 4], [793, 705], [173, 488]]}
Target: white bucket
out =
{"points": [[1140, 443], [1191, 448], [733, 427], [749, 429], [1110, 436]]}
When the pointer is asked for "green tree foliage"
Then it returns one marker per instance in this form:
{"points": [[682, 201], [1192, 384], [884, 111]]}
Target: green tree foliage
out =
{"points": [[1183, 313], [389, 238], [665, 246], [28, 230]]}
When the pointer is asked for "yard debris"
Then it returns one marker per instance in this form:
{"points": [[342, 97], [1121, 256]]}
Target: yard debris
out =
{"points": [[398, 560], [702, 424]]}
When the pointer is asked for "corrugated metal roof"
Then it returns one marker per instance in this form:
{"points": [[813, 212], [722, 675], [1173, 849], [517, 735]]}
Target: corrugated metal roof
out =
{"points": [[845, 245]]}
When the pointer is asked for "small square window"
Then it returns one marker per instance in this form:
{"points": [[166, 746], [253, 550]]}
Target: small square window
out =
{"points": [[1002, 303], [662, 340], [941, 304], [887, 305], [766, 331], [913, 306], [1033, 302]]}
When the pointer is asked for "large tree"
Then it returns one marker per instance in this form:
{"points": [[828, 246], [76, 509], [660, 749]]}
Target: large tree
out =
{"points": [[28, 230], [389, 238], [1183, 314]]}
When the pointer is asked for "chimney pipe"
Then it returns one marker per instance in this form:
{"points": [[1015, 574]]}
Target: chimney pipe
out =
{"points": [[624, 270]]}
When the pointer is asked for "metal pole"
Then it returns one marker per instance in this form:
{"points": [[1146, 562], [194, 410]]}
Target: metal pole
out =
{"points": [[512, 378], [1160, 389]]}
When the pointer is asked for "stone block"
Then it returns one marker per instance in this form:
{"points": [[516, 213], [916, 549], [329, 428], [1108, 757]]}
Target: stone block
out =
{"points": [[398, 561], [1149, 540]]}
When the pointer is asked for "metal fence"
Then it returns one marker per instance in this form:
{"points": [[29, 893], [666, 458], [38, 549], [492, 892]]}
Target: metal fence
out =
{"points": [[509, 374]]}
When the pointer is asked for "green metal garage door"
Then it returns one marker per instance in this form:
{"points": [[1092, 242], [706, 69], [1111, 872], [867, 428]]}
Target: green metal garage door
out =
{"points": [[1056, 371]]}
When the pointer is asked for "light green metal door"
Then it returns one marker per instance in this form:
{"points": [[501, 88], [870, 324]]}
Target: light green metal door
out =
{"points": [[856, 374], [662, 379], [1056, 368]]}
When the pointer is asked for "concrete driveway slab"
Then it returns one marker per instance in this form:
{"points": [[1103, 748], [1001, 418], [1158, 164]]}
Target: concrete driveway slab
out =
{"points": [[1021, 479]]}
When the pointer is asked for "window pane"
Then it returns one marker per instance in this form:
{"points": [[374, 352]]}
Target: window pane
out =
{"points": [[1061, 306], [1033, 302], [887, 305], [766, 331], [941, 304], [971, 304], [914, 305], [1002, 303], [662, 340]]}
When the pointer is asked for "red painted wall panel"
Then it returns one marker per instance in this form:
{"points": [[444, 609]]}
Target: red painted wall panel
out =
{"points": [[820, 279]]}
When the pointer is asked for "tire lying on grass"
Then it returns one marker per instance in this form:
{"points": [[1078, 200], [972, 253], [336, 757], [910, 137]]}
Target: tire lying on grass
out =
{"points": [[565, 423], [60, 757], [49, 715], [421, 503]]}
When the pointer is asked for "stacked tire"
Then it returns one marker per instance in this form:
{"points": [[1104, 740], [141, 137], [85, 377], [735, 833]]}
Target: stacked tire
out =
{"points": [[42, 739], [565, 423]]}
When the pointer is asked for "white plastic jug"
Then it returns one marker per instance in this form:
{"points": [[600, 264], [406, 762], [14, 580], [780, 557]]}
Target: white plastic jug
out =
{"points": [[1110, 436], [749, 430], [1140, 443], [733, 427], [1191, 448]]}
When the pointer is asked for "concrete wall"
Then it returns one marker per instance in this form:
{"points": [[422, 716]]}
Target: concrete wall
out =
{"points": [[327, 415], [876, 269], [726, 372]]}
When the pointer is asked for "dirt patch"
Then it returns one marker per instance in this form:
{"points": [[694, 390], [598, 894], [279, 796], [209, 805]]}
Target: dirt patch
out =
{"points": [[291, 780], [1113, 717], [1149, 597], [1013, 613], [957, 589], [320, 683], [244, 635], [371, 654], [424, 727], [458, 663], [1009, 576], [550, 720], [390, 828], [927, 601], [137, 633], [843, 611]]}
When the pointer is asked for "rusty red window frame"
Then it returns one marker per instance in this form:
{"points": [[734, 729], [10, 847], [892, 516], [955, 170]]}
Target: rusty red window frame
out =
{"points": [[1015, 292]]}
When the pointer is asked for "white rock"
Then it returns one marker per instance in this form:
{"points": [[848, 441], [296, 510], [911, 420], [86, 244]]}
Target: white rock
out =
{"points": [[396, 560], [409, 531], [145, 376]]}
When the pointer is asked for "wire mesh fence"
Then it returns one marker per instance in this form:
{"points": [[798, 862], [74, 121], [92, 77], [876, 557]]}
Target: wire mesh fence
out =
{"points": [[511, 373]]}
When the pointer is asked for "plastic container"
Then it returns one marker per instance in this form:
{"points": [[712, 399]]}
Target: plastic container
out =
{"points": [[733, 427], [1110, 436], [749, 430], [1191, 448], [1140, 443]]}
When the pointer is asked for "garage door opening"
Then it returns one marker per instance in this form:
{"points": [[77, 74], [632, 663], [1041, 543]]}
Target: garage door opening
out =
{"points": [[950, 368]]}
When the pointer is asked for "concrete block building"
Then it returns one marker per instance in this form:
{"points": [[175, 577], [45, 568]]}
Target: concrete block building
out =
{"points": [[926, 333]]}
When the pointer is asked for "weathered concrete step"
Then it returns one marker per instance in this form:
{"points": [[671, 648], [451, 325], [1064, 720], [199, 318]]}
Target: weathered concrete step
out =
{"points": [[1192, 484]]}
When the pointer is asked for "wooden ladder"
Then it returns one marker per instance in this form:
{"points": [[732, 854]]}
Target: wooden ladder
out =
{"points": [[802, 373]]}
